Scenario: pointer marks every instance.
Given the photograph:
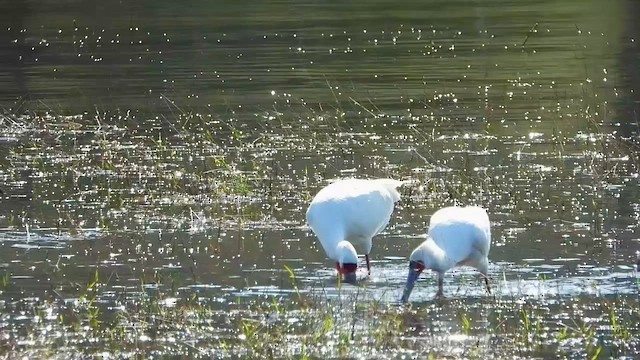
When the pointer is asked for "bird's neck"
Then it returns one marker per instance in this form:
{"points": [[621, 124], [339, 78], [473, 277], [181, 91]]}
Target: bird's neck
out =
{"points": [[437, 259], [330, 239]]}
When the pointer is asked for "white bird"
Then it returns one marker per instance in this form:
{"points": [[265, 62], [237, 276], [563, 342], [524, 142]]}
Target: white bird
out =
{"points": [[350, 213], [457, 236]]}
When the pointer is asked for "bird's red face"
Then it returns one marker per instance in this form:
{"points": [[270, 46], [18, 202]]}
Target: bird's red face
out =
{"points": [[415, 269], [348, 271], [346, 268], [418, 266]]}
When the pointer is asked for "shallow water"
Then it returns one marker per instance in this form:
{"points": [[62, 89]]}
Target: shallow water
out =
{"points": [[173, 152]]}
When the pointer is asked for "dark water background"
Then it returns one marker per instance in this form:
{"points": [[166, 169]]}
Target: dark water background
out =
{"points": [[184, 140]]}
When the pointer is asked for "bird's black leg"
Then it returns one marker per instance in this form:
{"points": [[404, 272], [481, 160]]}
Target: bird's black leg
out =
{"points": [[440, 293], [366, 257], [486, 281]]}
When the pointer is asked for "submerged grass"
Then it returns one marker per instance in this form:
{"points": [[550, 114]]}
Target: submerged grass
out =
{"points": [[311, 324], [181, 172]]}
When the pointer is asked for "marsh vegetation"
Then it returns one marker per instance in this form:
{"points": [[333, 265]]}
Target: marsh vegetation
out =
{"points": [[156, 169]]}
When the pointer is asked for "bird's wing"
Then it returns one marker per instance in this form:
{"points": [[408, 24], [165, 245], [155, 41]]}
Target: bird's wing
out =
{"points": [[392, 185], [461, 232]]}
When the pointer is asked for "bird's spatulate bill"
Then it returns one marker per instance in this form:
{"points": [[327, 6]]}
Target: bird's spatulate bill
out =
{"points": [[350, 278], [411, 281]]}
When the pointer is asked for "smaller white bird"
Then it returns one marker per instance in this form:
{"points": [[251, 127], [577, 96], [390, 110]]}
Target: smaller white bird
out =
{"points": [[351, 212], [457, 236]]}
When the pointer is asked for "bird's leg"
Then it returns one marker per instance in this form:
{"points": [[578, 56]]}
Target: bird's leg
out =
{"points": [[366, 257], [440, 293], [486, 281]]}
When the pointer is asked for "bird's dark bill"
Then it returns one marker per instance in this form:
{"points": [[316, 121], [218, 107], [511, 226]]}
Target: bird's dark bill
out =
{"points": [[415, 268], [348, 272], [350, 278]]}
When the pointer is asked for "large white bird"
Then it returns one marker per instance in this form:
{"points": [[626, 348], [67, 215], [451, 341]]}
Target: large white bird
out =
{"points": [[350, 213], [457, 236]]}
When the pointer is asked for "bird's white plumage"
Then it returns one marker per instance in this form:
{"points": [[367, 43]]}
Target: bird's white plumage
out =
{"points": [[353, 210], [457, 236]]}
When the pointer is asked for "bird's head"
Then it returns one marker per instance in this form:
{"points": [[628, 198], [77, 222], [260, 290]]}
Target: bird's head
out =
{"points": [[418, 261], [347, 261]]}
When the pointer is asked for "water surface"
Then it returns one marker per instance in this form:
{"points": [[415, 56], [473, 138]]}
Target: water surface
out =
{"points": [[173, 148]]}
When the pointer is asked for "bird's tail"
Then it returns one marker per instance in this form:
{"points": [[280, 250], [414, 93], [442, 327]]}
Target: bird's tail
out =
{"points": [[392, 185]]}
